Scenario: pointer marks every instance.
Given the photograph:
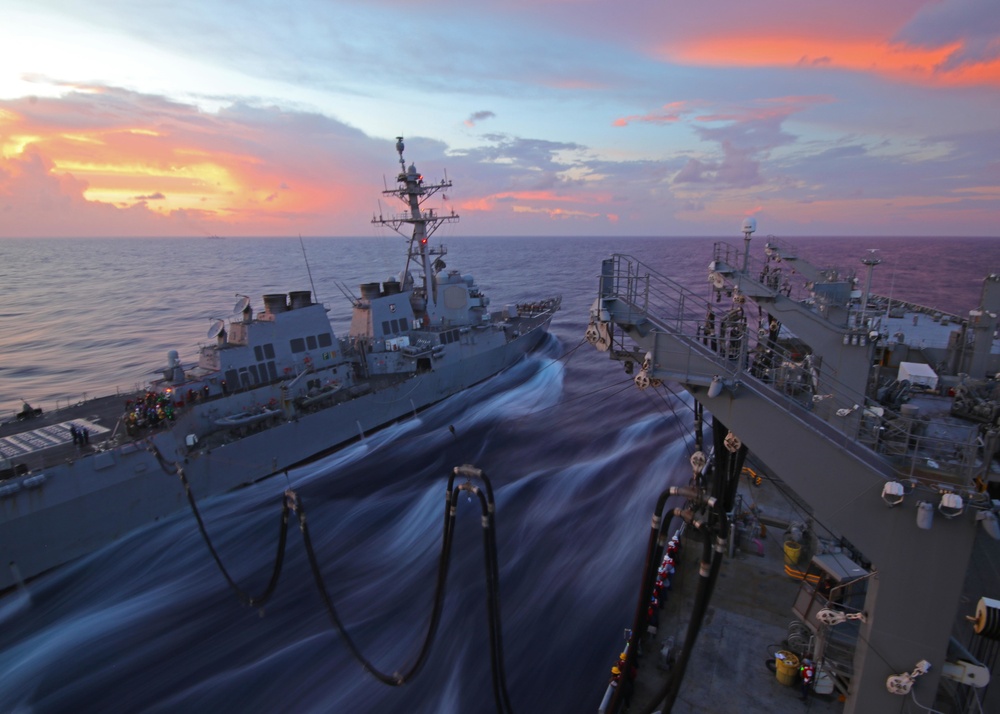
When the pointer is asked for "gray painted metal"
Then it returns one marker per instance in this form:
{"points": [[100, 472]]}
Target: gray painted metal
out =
{"points": [[913, 600]]}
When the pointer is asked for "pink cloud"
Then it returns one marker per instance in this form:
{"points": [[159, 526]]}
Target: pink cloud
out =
{"points": [[35, 199], [106, 161], [667, 114]]}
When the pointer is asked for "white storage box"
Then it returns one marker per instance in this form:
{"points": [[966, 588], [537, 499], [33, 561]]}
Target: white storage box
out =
{"points": [[919, 374]]}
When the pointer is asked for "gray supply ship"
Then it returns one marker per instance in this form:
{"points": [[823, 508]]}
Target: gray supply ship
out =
{"points": [[881, 421], [275, 388]]}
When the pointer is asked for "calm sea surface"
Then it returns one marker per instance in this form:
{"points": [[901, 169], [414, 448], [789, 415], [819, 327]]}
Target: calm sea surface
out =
{"points": [[576, 454]]}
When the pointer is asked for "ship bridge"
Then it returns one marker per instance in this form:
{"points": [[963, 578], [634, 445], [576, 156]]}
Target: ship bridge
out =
{"points": [[786, 368]]}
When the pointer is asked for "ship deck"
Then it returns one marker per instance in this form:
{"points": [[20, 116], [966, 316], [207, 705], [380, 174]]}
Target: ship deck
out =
{"points": [[748, 621], [43, 440]]}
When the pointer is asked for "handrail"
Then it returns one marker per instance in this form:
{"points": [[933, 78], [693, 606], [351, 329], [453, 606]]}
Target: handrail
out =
{"points": [[646, 297]]}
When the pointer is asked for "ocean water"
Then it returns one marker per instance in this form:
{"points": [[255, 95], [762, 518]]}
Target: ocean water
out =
{"points": [[576, 454]]}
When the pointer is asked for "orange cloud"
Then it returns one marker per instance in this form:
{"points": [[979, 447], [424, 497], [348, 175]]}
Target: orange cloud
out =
{"points": [[488, 203], [119, 164], [546, 203], [171, 170], [873, 54], [556, 212], [762, 109]]}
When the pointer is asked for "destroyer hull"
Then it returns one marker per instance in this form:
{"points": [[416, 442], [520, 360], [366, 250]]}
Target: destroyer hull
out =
{"points": [[84, 504]]}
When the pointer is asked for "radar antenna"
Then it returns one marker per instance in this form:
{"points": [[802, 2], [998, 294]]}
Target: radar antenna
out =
{"points": [[399, 149], [241, 304], [216, 328], [413, 192]]}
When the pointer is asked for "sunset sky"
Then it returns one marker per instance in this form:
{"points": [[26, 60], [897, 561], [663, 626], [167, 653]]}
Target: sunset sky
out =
{"points": [[552, 117]]}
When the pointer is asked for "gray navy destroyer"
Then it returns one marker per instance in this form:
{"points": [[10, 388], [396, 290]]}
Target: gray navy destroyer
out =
{"points": [[274, 388], [879, 421]]}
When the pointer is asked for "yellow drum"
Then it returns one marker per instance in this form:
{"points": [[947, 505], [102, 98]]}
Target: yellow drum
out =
{"points": [[786, 667]]}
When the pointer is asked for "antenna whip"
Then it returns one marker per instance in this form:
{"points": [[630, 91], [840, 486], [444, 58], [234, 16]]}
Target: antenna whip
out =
{"points": [[308, 271]]}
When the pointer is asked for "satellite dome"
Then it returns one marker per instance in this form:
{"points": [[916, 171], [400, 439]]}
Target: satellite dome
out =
{"points": [[749, 225]]}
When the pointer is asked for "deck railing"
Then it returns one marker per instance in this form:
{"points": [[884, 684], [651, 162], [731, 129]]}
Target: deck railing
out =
{"points": [[744, 356]]}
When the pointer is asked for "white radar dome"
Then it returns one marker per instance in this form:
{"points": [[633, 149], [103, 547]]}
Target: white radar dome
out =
{"points": [[749, 225]]}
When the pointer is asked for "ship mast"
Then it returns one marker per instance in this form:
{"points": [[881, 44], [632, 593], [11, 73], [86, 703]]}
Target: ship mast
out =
{"points": [[413, 192]]}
